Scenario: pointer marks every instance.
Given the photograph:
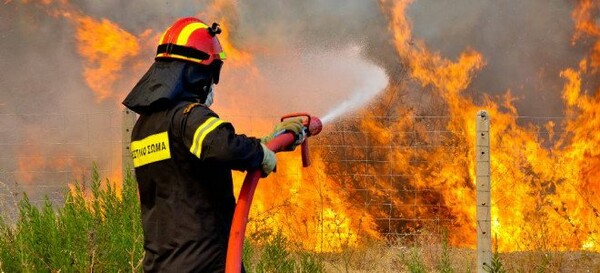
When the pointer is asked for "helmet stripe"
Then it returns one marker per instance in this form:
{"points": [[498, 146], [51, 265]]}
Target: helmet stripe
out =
{"points": [[187, 31], [162, 38]]}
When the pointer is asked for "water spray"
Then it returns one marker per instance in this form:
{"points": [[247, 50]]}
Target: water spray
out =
{"points": [[312, 127], [375, 80]]}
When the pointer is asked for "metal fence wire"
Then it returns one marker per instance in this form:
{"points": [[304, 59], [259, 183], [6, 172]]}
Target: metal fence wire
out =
{"points": [[42, 153], [411, 174]]}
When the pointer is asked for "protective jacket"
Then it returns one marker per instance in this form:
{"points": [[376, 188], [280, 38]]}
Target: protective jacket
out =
{"points": [[183, 156]]}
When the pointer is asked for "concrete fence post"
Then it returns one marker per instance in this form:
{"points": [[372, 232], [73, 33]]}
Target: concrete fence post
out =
{"points": [[127, 121], [482, 173]]}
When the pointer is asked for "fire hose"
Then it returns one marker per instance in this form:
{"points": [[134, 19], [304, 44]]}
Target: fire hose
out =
{"points": [[312, 126]]}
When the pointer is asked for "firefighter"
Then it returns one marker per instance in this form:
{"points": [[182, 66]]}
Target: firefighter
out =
{"points": [[183, 153]]}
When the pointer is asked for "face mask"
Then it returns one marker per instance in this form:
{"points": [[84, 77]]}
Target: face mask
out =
{"points": [[211, 95]]}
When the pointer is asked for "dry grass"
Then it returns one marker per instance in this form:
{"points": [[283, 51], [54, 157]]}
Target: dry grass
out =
{"points": [[537, 261], [385, 257]]}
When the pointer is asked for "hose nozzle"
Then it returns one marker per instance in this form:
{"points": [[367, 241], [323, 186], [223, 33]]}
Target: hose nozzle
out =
{"points": [[313, 127]]}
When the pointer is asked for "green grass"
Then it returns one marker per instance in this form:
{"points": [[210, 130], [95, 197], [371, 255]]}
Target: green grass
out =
{"points": [[414, 262], [444, 265], [275, 255], [496, 266]]}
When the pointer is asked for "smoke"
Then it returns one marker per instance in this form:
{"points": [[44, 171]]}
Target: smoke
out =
{"points": [[40, 77], [525, 45]]}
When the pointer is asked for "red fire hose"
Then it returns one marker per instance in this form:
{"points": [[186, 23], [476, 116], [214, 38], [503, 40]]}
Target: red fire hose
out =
{"points": [[313, 127]]}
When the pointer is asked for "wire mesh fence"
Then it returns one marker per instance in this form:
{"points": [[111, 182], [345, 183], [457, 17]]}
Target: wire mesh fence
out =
{"points": [[43, 153], [412, 174], [368, 168]]}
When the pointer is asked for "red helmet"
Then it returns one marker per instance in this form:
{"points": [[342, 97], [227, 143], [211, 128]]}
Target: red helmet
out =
{"points": [[190, 39]]}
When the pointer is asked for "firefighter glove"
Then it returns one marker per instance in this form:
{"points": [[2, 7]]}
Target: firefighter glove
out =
{"points": [[269, 161], [293, 125]]}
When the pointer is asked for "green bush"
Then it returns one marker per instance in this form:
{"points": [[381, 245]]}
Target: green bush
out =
{"points": [[496, 266], [96, 231], [275, 253], [414, 262], [445, 262]]}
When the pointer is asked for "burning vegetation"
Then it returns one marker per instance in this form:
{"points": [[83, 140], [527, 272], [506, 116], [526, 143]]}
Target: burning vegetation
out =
{"points": [[395, 167]]}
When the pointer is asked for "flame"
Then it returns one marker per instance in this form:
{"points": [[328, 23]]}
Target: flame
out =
{"points": [[105, 48], [586, 26], [108, 51], [453, 183], [307, 207], [583, 15], [555, 187], [27, 165]]}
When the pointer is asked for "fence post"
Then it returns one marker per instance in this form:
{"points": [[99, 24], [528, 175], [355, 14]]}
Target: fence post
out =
{"points": [[127, 121], [482, 173]]}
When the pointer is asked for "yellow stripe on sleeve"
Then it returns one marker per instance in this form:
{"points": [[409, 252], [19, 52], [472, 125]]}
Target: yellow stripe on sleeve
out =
{"points": [[208, 126]]}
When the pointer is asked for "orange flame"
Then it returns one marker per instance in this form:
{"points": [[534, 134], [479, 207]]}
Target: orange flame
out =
{"points": [[583, 15], [556, 188], [105, 47], [308, 207], [587, 26]]}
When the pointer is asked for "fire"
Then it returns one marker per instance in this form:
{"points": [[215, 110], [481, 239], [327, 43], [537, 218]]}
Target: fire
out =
{"points": [[583, 15], [108, 51], [587, 26], [556, 187], [28, 165], [453, 183], [306, 206], [105, 48]]}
